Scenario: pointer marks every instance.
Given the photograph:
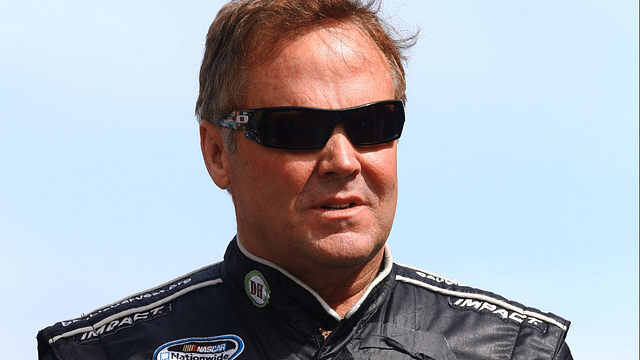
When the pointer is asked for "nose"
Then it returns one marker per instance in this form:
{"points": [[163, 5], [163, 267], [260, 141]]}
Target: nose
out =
{"points": [[339, 157]]}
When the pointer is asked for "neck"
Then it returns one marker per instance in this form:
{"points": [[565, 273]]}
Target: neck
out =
{"points": [[339, 287], [342, 289]]}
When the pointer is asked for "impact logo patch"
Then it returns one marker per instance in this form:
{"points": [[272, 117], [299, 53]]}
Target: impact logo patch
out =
{"points": [[257, 288], [124, 322], [225, 347], [484, 307]]}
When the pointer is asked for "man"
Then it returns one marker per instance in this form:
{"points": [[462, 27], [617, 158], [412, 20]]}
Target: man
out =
{"points": [[300, 108]]}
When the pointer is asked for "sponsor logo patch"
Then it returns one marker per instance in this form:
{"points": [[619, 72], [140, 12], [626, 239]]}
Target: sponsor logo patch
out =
{"points": [[124, 322], [138, 298], [225, 347], [484, 307], [257, 288]]}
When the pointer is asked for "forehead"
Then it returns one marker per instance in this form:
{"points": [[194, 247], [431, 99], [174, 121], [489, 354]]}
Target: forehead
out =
{"points": [[330, 67]]}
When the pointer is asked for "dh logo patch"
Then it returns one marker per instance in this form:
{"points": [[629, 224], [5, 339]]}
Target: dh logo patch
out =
{"points": [[257, 288], [225, 347]]}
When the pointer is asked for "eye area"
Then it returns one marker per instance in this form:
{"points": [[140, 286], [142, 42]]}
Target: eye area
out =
{"points": [[310, 128]]}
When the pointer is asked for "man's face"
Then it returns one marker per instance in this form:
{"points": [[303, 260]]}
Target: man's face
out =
{"points": [[306, 210]]}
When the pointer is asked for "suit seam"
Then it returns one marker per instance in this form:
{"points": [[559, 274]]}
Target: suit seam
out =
{"points": [[515, 342]]}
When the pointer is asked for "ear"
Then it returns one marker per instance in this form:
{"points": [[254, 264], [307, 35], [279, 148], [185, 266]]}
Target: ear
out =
{"points": [[216, 157]]}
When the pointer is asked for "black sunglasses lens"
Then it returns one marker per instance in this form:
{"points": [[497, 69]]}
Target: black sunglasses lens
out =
{"points": [[295, 129], [311, 128], [375, 124]]}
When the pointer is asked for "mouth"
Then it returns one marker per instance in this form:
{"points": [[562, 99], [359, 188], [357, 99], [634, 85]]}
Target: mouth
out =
{"points": [[339, 206]]}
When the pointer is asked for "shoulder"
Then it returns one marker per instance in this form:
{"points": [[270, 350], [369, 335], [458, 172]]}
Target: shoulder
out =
{"points": [[134, 309], [467, 297], [467, 314]]}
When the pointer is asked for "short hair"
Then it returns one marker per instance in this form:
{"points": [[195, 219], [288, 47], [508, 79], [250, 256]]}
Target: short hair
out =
{"points": [[247, 33]]}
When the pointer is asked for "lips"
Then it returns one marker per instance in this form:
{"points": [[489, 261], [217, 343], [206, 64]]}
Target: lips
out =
{"points": [[338, 206], [340, 202]]}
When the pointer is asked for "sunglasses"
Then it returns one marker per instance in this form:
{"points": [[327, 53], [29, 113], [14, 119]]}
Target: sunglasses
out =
{"points": [[310, 128]]}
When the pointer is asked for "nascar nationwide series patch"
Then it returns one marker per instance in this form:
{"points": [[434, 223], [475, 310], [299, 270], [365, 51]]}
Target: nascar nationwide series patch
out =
{"points": [[225, 347]]}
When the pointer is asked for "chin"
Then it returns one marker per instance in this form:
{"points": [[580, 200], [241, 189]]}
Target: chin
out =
{"points": [[348, 249]]}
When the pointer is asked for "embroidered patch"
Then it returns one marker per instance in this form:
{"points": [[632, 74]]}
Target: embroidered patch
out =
{"points": [[257, 288], [225, 347], [484, 307], [103, 328]]}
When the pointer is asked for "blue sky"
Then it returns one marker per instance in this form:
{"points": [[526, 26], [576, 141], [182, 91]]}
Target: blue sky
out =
{"points": [[518, 165]]}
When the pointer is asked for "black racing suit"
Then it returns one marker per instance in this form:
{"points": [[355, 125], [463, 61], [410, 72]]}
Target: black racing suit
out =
{"points": [[248, 308]]}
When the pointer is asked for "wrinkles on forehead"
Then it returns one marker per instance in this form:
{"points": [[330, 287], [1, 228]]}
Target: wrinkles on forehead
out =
{"points": [[314, 65]]}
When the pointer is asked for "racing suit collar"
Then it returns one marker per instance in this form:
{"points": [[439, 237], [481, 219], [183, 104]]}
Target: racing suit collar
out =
{"points": [[288, 297]]}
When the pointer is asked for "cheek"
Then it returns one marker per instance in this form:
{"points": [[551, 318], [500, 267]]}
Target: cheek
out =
{"points": [[381, 171], [382, 179], [278, 180], [294, 173]]}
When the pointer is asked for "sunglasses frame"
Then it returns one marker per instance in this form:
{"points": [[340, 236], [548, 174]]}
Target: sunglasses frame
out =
{"points": [[249, 122]]}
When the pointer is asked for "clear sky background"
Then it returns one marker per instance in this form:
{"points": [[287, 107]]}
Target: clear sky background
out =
{"points": [[518, 165]]}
